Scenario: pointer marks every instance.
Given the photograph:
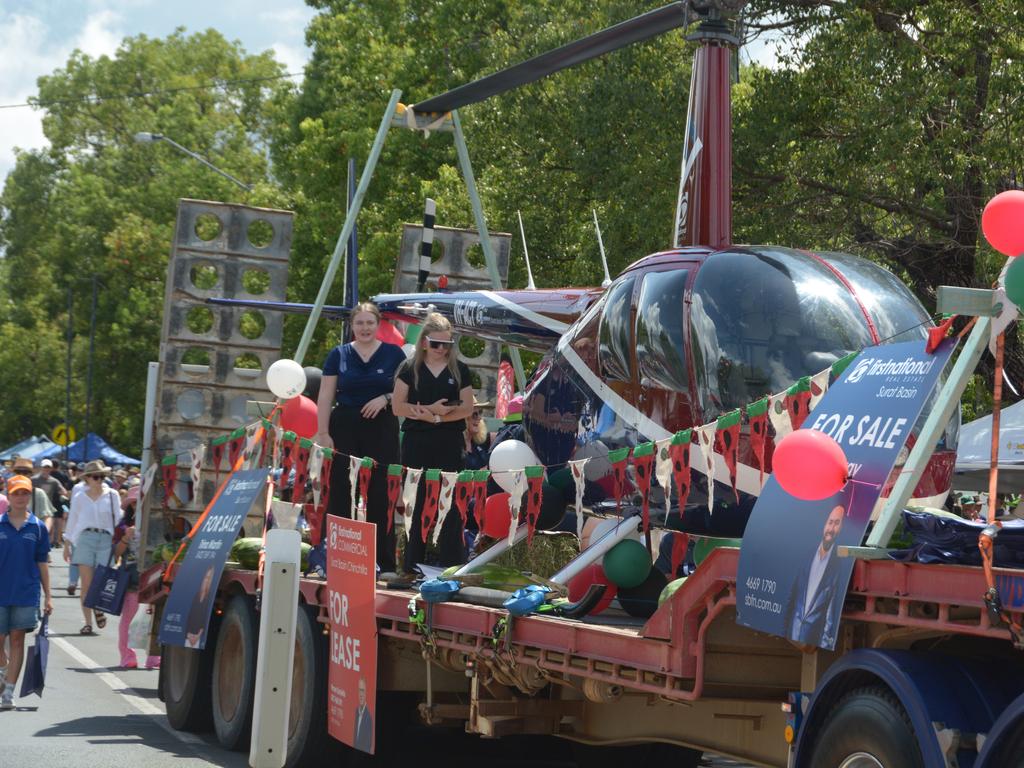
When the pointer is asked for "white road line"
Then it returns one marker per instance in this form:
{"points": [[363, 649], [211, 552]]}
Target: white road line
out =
{"points": [[118, 685]]}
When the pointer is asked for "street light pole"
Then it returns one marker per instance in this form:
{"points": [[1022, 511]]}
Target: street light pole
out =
{"points": [[151, 138]]}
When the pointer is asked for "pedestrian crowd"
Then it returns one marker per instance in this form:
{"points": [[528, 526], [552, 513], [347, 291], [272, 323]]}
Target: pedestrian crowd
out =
{"points": [[88, 512]]}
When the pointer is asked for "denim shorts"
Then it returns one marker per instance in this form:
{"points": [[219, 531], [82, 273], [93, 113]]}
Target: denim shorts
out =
{"points": [[92, 549], [18, 617]]}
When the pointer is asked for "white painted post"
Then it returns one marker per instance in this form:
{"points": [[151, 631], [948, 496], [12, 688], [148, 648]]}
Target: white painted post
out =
{"points": [[276, 651]]}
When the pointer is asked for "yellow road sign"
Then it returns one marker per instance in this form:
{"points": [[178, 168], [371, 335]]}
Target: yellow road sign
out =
{"points": [[63, 434]]}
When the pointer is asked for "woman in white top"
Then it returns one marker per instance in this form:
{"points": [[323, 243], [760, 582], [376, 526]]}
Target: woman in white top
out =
{"points": [[90, 529]]}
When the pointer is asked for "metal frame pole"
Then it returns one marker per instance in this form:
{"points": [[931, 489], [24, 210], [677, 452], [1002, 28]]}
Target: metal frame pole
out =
{"points": [[948, 401], [481, 226], [88, 380], [350, 220], [67, 391]]}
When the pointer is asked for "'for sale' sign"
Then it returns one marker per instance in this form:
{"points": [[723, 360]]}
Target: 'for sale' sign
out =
{"points": [[351, 578]]}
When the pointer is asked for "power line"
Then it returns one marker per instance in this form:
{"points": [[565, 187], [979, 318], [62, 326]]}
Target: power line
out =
{"points": [[158, 92]]}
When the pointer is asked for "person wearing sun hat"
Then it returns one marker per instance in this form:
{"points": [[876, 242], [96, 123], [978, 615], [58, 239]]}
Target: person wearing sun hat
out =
{"points": [[477, 439], [40, 505], [90, 529]]}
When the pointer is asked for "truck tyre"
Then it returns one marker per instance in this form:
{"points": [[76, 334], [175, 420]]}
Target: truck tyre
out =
{"points": [[307, 715], [867, 728], [185, 687], [648, 754], [234, 674]]}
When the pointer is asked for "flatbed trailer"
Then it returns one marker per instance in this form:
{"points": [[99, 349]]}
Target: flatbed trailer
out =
{"points": [[917, 653]]}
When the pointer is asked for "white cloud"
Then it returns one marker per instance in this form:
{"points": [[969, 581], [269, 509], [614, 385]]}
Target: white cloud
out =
{"points": [[101, 34], [293, 58]]}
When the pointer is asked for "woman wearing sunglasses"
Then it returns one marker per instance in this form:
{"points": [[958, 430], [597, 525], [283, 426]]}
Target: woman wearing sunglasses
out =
{"points": [[90, 529], [434, 392], [355, 418]]}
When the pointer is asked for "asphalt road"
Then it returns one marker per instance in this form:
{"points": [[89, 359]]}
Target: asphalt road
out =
{"points": [[95, 715]]}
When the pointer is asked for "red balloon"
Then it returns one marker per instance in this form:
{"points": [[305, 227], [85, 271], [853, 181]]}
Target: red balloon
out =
{"points": [[387, 332], [1003, 222], [497, 516], [298, 415], [580, 583], [810, 465]]}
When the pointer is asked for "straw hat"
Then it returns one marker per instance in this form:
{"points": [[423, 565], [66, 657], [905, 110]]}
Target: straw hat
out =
{"points": [[95, 467]]}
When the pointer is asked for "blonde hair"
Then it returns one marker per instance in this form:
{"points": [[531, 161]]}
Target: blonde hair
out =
{"points": [[479, 437], [434, 322]]}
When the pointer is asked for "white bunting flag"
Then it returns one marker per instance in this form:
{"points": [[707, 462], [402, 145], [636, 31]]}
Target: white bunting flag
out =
{"points": [[196, 456], [779, 416], [663, 470], [251, 451], [579, 479], [316, 465], [706, 438], [353, 481], [278, 439], [412, 484], [515, 502], [819, 386], [444, 502], [147, 479]]}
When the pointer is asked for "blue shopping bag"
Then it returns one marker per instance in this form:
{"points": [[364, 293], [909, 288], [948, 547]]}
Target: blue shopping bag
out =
{"points": [[106, 593], [34, 677]]}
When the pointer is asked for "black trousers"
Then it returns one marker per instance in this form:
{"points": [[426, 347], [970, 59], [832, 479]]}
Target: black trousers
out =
{"points": [[434, 449], [378, 439]]}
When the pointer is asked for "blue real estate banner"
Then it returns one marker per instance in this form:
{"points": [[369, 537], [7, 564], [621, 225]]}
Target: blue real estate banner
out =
{"points": [[186, 616], [791, 581]]}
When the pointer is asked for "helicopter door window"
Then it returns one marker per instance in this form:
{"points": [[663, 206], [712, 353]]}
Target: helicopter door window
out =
{"points": [[616, 345], [660, 343]]}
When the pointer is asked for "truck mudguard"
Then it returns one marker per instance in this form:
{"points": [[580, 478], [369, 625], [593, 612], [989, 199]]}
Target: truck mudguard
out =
{"points": [[1005, 739], [939, 693]]}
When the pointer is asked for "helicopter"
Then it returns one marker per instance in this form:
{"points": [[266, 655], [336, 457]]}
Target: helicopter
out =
{"points": [[687, 334]]}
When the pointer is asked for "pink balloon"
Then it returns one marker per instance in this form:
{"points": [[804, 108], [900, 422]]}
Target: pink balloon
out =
{"points": [[810, 465], [298, 415], [1003, 222]]}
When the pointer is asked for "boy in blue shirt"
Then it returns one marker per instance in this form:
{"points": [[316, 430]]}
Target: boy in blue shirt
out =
{"points": [[24, 551]]}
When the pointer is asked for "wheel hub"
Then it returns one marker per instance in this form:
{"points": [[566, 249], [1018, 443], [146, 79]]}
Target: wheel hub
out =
{"points": [[861, 760]]}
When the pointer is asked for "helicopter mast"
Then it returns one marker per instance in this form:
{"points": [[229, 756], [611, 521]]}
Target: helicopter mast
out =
{"points": [[704, 205]]}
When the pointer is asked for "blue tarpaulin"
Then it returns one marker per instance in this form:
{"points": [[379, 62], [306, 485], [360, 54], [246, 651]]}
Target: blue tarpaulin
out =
{"points": [[98, 448]]}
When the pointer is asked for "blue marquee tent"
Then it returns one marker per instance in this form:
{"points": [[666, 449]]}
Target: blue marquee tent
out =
{"points": [[98, 449], [28, 448]]}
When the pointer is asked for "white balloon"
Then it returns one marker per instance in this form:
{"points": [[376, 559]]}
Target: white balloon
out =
{"points": [[286, 379], [510, 455], [598, 466]]}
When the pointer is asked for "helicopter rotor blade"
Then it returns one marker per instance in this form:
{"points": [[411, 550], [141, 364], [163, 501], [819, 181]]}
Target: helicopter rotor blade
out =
{"points": [[643, 27]]}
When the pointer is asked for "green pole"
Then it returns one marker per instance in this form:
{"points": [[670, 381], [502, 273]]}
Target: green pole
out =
{"points": [[350, 220], [481, 226], [948, 401]]}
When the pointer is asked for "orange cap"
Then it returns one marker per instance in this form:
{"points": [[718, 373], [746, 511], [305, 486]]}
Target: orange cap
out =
{"points": [[19, 483]]}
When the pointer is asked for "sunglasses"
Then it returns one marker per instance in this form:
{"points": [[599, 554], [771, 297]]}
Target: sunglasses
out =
{"points": [[439, 343], [95, 477], [23, 471]]}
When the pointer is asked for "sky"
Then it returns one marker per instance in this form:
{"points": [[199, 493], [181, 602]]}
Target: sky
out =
{"points": [[36, 37]]}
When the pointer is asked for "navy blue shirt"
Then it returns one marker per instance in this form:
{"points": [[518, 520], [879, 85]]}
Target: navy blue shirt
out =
{"points": [[359, 382], [21, 551]]}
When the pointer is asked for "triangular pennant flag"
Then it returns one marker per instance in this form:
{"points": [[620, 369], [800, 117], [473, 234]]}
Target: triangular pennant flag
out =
{"points": [[779, 416], [354, 462], [706, 439], [303, 453], [680, 543], [287, 458], [798, 401], [169, 472], [757, 413], [643, 461], [679, 450], [196, 456], [278, 445], [316, 463], [534, 493], [409, 490], [727, 442], [365, 471], [515, 502], [147, 480], [236, 441], [218, 445], [579, 479], [313, 522], [394, 491], [619, 459], [937, 334], [430, 501], [444, 503], [1005, 310], [819, 386], [663, 471], [325, 480], [480, 477], [463, 492], [268, 429], [840, 365]]}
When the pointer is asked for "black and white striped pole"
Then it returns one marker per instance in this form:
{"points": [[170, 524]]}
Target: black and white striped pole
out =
{"points": [[427, 246]]}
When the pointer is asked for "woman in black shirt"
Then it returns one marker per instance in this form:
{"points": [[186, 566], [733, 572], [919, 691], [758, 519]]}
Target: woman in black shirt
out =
{"points": [[354, 418], [433, 431]]}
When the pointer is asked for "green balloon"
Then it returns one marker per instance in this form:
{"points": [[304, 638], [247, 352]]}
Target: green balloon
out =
{"points": [[627, 564], [704, 547], [670, 589], [1015, 282]]}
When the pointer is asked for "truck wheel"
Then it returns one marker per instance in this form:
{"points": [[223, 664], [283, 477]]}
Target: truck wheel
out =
{"points": [[867, 728], [307, 715], [650, 753], [234, 674], [185, 687]]}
